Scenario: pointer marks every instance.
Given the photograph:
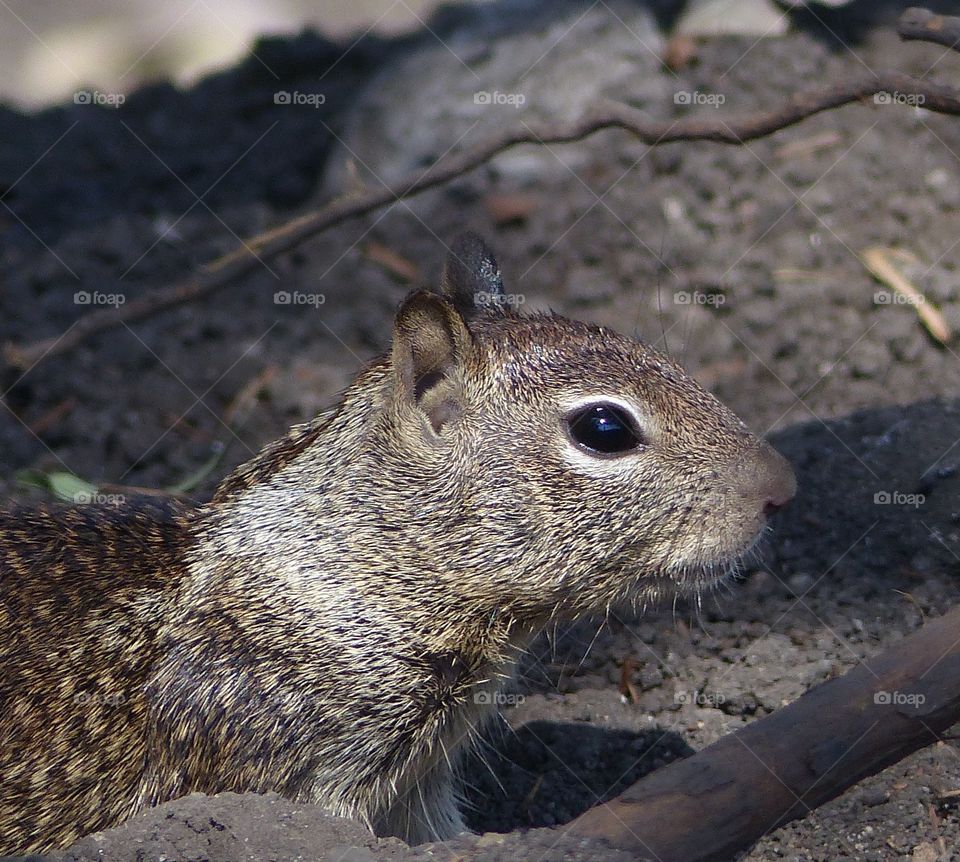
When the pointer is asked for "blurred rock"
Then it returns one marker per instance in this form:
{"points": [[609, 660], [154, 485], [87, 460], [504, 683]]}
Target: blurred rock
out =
{"points": [[733, 17]]}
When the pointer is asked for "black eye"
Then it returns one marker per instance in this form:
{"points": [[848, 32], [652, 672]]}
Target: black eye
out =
{"points": [[603, 428]]}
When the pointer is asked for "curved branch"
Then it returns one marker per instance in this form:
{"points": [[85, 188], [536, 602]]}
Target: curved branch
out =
{"points": [[722, 799], [607, 115]]}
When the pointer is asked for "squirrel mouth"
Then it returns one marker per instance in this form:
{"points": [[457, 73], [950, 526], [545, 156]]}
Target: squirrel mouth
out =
{"points": [[692, 580], [646, 583], [648, 588], [693, 577]]}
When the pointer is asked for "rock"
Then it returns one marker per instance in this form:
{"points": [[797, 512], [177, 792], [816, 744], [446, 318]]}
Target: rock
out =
{"points": [[733, 18], [495, 69]]}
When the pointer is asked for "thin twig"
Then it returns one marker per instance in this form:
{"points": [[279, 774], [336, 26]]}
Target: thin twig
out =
{"points": [[879, 262], [606, 115]]}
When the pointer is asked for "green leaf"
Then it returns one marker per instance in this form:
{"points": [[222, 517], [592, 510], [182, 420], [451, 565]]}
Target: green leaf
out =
{"points": [[65, 486]]}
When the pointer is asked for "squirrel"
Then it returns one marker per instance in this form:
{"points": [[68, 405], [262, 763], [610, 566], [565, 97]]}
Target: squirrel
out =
{"points": [[339, 620]]}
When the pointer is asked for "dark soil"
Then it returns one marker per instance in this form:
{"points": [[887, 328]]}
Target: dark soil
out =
{"points": [[854, 392]]}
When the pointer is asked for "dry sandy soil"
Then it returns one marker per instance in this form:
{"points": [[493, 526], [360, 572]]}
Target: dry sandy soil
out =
{"points": [[740, 261]]}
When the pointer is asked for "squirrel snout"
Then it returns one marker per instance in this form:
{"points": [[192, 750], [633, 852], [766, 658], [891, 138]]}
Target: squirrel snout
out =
{"points": [[778, 483], [767, 478]]}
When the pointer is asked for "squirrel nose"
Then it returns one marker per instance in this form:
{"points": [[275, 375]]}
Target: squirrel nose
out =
{"points": [[766, 477], [771, 507], [778, 483]]}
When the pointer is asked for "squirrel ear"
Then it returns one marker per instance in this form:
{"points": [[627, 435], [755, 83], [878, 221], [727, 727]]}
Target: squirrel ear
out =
{"points": [[430, 341], [471, 276]]}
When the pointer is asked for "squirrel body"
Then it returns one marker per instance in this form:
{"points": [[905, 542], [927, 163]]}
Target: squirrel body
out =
{"points": [[338, 621]]}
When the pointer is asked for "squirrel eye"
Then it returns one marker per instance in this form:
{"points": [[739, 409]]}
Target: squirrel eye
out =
{"points": [[603, 428]]}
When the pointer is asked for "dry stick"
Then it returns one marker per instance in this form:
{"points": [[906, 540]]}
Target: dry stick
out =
{"points": [[608, 115], [879, 261], [722, 799]]}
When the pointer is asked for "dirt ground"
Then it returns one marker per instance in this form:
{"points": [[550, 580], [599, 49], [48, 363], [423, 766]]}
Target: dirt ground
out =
{"points": [[740, 261]]}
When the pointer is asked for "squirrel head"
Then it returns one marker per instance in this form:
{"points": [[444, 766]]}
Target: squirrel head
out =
{"points": [[562, 465]]}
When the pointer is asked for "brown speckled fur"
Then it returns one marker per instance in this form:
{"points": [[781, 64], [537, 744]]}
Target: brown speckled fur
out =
{"points": [[338, 621], [84, 591]]}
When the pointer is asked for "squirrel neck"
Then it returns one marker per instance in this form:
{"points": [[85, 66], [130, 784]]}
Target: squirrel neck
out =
{"points": [[343, 516]]}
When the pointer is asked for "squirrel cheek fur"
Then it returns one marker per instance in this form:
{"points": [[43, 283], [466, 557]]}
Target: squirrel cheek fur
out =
{"points": [[336, 624]]}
